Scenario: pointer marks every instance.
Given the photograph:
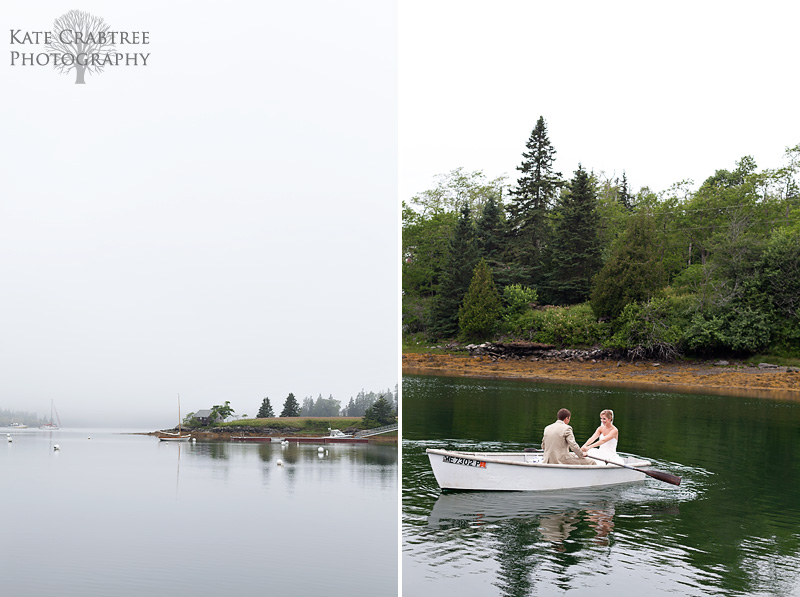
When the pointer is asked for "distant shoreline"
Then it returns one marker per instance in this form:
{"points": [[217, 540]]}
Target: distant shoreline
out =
{"points": [[227, 433], [687, 377]]}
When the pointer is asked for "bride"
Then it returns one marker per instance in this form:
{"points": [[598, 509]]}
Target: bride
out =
{"points": [[603, 443]]}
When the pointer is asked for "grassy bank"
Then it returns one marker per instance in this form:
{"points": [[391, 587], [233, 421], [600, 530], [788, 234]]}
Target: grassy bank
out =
{"points": [[286, 427], [311, 425]]}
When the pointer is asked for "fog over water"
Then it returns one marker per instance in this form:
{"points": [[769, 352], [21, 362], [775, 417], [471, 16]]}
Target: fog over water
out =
{"points": [[218, 224]]}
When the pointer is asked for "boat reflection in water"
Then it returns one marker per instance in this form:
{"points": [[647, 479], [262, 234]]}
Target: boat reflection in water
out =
{"points": [[555, 515], [602, 521]]}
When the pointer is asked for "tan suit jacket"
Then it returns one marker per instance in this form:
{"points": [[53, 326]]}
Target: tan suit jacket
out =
{"points": [[557, 441]]}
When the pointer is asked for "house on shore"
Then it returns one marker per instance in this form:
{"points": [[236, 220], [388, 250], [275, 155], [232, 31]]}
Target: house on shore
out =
{"points": [[205, 416]]}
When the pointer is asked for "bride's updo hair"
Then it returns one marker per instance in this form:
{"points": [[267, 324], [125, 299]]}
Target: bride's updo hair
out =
{"points": [[608, 413]]}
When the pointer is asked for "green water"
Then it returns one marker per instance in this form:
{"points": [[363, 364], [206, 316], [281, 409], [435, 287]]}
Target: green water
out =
{"points": [[731, 528]]}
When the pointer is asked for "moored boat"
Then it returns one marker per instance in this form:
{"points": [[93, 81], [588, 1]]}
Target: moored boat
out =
{"points": [[525, 471], [51, 426], [168, 436]]}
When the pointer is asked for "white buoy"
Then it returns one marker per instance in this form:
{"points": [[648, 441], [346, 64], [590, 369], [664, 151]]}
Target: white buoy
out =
{"points": [[56, 447], [10, 439], [280, 462], [320, 449], [194, 440]]}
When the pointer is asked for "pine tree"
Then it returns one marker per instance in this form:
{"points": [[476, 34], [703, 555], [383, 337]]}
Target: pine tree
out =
{"points": [[575, 253], [265, 411], [536, 192], [380, 412], [478, 316], [625, 193], [633, 271], [455, 279], [489, 231], [290, 407], [307, 409]]}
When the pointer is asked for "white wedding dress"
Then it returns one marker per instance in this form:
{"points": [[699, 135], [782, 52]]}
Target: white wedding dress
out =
{"points": [[607, 451]]}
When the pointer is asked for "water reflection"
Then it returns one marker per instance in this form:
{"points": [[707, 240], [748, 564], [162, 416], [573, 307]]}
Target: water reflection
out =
{"points": [[538, 538], [729, 529]]}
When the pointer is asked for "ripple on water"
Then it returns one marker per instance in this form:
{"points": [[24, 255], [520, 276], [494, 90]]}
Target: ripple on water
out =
{"points": [[448, 533]]}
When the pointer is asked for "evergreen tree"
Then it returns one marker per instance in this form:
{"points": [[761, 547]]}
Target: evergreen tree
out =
{"points": [[634, 270], [265, 411], [534, 195], [625, 194], [575, 253], [307, 409], [290, 407], [455, 279], [489, 231], [380, 412], [326, 407], [478, 315]]}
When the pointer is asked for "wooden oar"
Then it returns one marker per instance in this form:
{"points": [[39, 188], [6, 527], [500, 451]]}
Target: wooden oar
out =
{"points": [[660, 475]]}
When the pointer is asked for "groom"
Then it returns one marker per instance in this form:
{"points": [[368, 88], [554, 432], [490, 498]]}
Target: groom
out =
{"points": [[558, 440]]}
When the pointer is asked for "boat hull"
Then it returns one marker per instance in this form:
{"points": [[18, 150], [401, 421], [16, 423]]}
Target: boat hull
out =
{"points": [[523, 471], [184, 438]]}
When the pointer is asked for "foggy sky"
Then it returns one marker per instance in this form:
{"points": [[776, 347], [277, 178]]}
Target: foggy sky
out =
{"points": [[221, 224], [664, 92]]}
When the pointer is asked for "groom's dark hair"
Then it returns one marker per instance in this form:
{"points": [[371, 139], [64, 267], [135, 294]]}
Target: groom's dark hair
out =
{"points": [[563, 414]]}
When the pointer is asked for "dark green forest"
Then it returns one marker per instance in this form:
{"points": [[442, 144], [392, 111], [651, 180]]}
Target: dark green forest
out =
{"points": [[585, 261]]}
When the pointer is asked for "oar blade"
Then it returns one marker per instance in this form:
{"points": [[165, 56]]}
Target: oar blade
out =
{"points": [[662, 476]]}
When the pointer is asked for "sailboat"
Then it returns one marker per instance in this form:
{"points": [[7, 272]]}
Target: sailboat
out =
{"points": [[51, 426], [166, 436]]}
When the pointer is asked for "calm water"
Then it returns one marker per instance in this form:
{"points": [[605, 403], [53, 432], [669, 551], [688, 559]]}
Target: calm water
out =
{"points": [[731, 528], [119, 515]]}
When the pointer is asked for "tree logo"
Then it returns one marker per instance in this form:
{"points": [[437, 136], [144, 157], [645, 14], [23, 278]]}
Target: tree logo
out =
{"points": [[79, 41], [81, 36]]}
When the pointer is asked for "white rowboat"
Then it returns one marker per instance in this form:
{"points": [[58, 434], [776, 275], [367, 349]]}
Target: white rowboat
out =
{"points": [[524, 471]]}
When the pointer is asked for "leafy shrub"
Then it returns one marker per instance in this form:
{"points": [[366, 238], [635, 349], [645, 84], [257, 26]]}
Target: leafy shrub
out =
{"points": [[518, 299], [740, 329], [563, 326], [786, 341], [646, 330]]}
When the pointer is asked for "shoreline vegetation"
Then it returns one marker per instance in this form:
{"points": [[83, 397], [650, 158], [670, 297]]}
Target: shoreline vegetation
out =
{"points": [[727, 378], [287, 427], [690, 272]]}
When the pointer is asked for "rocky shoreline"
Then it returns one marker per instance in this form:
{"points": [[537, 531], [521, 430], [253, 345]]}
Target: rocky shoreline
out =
{"points": [[227, 433], [543, 363]]}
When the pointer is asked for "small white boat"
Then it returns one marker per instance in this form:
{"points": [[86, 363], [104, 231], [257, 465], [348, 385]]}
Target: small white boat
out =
{"points": [[174, 438], [337, 433], [168, 436], [524, 471]]}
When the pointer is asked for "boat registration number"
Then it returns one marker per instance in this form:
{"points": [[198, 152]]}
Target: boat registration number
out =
{"points": [[464, 461]]}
